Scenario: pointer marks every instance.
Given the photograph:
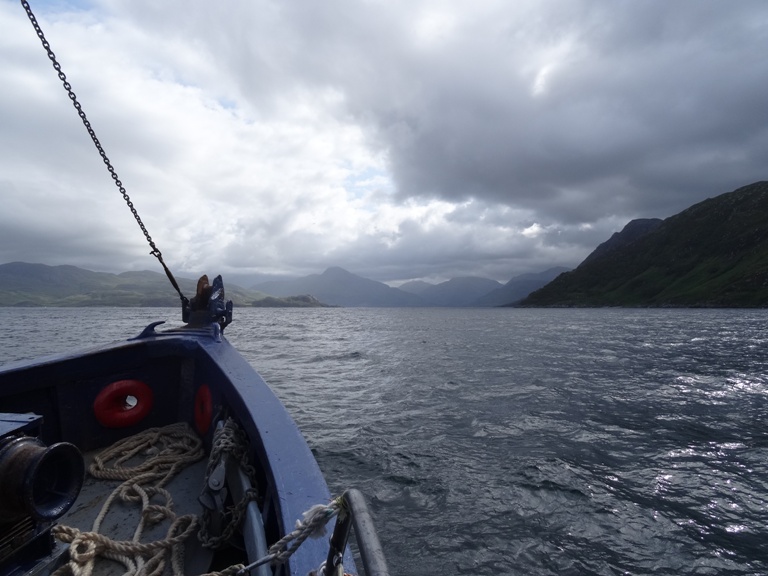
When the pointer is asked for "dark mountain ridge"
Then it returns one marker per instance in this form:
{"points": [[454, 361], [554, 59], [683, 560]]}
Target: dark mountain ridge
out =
{"points": [[633, 231], [713, 254]]}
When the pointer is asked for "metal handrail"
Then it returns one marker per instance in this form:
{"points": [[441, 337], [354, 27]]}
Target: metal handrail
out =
{"points": [[368, 543]]}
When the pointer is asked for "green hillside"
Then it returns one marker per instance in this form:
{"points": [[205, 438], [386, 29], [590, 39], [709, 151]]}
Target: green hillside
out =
{"points": [[714, 254], [23, 284]]}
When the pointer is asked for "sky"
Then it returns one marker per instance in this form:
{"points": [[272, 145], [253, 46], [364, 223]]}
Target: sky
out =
{"points": [[398, 139]]}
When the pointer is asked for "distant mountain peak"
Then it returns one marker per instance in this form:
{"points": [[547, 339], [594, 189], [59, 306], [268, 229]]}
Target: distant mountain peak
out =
{"points": [[337, 272]]}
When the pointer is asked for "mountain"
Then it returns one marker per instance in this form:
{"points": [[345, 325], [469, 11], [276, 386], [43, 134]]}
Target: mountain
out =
{"points": [[23, 284], [462, 291], [631, 232], [415, 286], [338, 287], [519, 287], [713, 254]]}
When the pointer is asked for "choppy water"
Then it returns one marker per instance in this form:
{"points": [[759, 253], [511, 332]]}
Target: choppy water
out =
{"points": [[514, 441]]}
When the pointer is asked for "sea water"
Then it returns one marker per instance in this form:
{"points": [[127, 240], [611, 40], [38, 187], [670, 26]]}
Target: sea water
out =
{"points": [[513, 441]]}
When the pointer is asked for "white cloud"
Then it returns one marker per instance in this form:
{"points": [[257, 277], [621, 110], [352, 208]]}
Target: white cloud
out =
{"points": [[533, 230], [397, 139]]}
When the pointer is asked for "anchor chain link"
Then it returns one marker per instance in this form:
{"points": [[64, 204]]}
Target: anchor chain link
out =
{"points": [[80, 112]]}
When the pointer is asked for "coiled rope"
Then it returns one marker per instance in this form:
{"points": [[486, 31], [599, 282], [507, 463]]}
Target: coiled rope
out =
{"points": [[170, 449]]}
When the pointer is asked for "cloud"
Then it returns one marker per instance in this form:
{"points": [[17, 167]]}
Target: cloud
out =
{"points": [[396, 139]]}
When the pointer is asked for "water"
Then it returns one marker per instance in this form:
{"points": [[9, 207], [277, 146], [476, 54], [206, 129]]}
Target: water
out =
{"points": [[514, 441]]}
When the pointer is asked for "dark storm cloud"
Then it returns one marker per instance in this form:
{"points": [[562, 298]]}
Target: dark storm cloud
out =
{"points": [[588, 110], [398, 139]]}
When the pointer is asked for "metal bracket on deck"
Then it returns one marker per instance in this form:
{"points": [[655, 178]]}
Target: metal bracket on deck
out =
{"points": [[208, 305], [214, 496]]}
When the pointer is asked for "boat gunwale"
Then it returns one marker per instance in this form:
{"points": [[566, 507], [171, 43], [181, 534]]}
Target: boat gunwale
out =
{"points": [[293, 475]]}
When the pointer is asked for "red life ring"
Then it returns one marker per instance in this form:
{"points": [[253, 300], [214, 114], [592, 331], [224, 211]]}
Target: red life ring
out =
{"points": [[123, 403], [203, 409]]}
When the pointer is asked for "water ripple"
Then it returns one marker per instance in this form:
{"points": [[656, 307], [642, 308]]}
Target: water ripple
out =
{"points": [[527, 441]]}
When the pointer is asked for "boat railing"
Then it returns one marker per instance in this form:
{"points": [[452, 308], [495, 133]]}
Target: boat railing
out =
{"points": [[357, 515]]}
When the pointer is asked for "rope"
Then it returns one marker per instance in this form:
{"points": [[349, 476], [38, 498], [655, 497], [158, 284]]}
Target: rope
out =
{"points": [[86, 547], [229, 441], [312, 526], [170, 448]]}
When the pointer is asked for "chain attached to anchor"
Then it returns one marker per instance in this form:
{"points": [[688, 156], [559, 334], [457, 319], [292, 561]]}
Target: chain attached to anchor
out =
{"points": [[80, 112]]}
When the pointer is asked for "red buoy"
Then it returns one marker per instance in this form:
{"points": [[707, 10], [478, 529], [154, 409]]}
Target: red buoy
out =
{"points": [[203, 409], [123, 403]]}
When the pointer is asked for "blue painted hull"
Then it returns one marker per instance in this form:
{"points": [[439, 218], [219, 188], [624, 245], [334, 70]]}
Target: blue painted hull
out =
{"points": [[175, 365]]}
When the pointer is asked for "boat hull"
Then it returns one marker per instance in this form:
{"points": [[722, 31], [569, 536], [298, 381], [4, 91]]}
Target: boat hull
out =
{"points": [[183, 375]]}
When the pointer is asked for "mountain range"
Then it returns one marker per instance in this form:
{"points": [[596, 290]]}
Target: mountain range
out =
{"points": [[713, 254], [24, 284], [339, 287]]}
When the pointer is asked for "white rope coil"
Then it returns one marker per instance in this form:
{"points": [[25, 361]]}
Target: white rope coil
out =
{"points": [[170, 449]]}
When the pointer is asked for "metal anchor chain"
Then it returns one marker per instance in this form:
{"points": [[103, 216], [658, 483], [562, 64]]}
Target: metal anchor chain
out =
{"points": [[68, 87]]}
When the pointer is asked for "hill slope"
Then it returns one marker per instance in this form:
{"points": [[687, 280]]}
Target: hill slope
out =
{"points": [[23, 284], [632, 232], [715, 253]]}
